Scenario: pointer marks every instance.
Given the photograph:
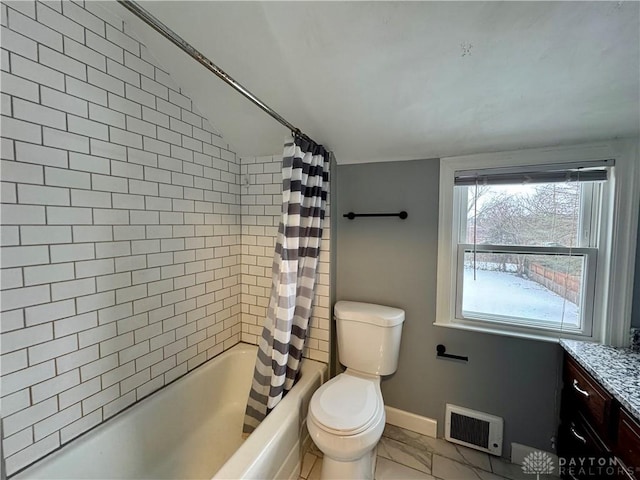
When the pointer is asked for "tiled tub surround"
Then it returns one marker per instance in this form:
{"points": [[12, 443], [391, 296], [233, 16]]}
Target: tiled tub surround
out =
{"points": [[617, 369], [261, 208], [122, 249], [120, 227]]}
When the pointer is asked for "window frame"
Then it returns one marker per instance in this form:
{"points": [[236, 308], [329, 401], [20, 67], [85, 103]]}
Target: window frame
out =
{"points": [[616, 239]]}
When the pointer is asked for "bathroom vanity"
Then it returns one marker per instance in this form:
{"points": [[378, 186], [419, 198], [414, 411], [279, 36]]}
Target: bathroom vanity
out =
{"points": [[599, 435]]}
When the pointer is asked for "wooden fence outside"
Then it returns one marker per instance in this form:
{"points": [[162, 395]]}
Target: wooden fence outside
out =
{"points": [[563, 284]]}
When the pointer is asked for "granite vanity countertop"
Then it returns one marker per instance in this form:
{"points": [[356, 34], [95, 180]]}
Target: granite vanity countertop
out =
{"points": [[617, 369]]}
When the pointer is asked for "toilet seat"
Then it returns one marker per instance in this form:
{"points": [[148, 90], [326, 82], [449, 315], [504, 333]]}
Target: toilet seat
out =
{"points": [[346, 405]]}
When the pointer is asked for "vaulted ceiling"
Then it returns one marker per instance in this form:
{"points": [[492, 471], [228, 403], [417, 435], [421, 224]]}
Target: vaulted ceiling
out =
{"points": [[378, 81]]}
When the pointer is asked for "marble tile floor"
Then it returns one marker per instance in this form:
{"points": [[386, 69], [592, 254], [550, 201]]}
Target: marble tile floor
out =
{"points": [[406, 455]]}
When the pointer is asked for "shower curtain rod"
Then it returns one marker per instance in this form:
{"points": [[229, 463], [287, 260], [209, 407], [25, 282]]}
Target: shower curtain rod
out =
{"points": [[173, 37]]}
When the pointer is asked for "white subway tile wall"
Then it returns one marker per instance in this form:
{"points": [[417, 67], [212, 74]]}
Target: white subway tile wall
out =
{"points": [[120, 227], [261, 207]]}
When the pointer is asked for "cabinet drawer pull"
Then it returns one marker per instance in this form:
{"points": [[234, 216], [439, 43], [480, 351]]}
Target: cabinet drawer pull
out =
{"points": [[572, 429], [577, 388]]}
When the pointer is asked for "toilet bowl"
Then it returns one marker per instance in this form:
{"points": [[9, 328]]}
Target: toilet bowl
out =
{"points": [[345, 420], [346, 415]]}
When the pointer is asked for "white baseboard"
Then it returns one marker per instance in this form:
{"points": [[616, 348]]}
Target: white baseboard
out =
{"points": [[411, 421], [519, 451]]}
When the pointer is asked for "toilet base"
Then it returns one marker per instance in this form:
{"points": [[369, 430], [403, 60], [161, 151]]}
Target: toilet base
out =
{"points": [[362, 468]]}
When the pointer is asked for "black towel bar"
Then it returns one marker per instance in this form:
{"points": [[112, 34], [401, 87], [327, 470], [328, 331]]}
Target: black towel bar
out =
{"points": [[352, 215]]}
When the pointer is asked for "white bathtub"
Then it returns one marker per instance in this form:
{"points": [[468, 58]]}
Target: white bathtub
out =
{"points": [[192, 429]]}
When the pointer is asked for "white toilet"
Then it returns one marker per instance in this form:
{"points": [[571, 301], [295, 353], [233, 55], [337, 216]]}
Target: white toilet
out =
{"points": [[346, 415]]}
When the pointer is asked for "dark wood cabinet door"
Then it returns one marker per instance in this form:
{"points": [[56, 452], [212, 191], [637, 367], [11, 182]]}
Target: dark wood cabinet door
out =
{"points": [[628, 444]]}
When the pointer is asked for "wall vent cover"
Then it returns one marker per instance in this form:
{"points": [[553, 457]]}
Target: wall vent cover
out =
{"points": [[474, 429]]}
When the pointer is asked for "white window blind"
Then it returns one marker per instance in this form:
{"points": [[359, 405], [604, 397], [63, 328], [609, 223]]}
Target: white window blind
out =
{"points": [[592, 171]]}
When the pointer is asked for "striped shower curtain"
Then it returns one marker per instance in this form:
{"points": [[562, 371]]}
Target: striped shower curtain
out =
{"points": [[305, 180]]}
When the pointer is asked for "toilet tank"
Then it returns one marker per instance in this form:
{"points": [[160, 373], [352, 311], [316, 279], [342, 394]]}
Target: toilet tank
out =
{"points": [[368, 336]]}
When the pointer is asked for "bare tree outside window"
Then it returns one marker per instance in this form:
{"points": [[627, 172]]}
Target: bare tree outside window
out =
{"points": [[540, 214]]}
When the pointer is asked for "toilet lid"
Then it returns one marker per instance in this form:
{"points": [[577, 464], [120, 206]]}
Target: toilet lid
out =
{"points": [[346, 405]]}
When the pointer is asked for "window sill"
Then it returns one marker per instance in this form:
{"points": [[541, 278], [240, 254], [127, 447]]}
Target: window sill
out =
{"points": [[551, 337]]}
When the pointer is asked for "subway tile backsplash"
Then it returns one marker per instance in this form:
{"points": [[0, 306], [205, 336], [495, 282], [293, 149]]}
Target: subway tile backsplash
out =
{"points": [[131, 252]]}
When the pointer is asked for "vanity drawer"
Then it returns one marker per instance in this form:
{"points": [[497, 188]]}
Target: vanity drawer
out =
{"points": [[579, 438], [579, 441], [589, 397], [628, 444]]}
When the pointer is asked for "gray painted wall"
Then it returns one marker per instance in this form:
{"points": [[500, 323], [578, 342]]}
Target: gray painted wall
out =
{"points": [[393, 262]]}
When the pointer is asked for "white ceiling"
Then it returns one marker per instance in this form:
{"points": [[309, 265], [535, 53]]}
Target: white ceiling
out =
{"points": [[378, 81]]}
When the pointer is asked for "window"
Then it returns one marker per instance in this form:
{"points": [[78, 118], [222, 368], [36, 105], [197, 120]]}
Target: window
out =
{"points": [[526, 242], [527, 245]]}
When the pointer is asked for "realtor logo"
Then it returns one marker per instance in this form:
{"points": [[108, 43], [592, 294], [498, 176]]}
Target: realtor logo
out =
{"points": [[537, 463]]}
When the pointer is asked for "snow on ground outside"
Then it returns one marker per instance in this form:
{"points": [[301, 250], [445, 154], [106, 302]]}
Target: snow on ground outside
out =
{"points": [[502, 293]]}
